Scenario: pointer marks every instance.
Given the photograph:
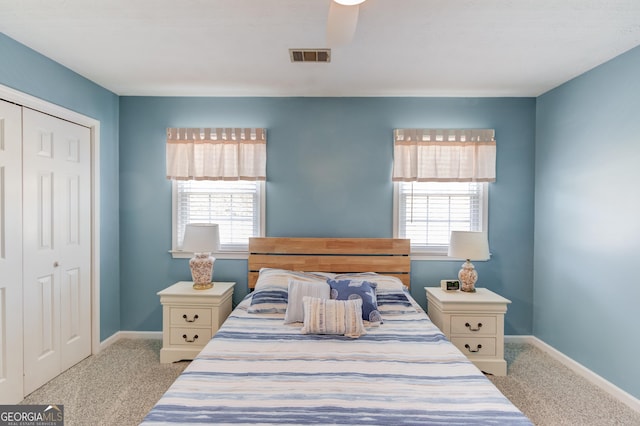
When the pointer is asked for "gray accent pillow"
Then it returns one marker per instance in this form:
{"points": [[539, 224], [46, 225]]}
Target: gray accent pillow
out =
{"points": [[299, 289]]}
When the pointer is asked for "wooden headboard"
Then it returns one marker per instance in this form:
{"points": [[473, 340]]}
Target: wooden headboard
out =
{"points": [[388, 256]]}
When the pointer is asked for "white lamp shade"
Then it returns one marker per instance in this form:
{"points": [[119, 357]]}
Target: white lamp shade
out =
{"points": [[201, 238], [469, 245]]}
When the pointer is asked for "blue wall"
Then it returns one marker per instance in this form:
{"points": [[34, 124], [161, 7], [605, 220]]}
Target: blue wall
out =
{"points": [[29, 72], [328, 174], [587, 232], [573, 292]]}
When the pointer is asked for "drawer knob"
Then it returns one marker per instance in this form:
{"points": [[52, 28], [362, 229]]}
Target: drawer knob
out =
{"points": [[478, 327], [472, 350], [186, 318], [184, 336]]}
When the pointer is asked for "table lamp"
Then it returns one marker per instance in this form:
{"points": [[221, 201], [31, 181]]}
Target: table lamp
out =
{"points": [[468, 245], [201, 239]]}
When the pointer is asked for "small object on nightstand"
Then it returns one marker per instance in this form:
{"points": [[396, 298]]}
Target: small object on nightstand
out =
{"points": [[191, 317], [474, 323], [450, 285]]}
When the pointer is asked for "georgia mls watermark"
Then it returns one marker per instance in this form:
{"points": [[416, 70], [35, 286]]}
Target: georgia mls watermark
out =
{"points": [[31, 415]]}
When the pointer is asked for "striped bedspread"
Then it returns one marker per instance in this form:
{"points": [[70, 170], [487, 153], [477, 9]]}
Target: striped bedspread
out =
{"points": [[257, 370]]}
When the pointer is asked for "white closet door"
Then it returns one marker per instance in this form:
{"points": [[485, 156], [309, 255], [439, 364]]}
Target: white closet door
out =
{"points": [[10, 254], [57, 246]]}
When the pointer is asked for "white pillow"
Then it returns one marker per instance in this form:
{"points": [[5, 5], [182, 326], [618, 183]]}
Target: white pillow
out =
{"points": [[328, 316], [272, 277], [298, 290], [384, 282]]}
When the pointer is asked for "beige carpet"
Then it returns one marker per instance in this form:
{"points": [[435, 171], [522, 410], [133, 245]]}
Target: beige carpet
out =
{"points": [[550, 394], [116, 387], [119, 386]]}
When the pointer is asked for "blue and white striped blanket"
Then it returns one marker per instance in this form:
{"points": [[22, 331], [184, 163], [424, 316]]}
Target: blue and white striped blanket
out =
{"points": [[257, 370]]}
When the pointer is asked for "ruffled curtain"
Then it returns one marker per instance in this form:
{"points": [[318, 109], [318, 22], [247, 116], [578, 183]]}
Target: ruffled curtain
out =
{"points": [[216, 154], [444, 155]]}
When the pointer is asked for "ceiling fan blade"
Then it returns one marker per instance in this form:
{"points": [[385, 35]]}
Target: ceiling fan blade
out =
{"points": [[341, 24]]}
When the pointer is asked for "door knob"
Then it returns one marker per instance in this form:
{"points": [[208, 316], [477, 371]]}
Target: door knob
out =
{"points": [[56, 264]]}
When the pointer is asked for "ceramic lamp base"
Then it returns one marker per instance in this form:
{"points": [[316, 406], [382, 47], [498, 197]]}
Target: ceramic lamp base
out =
{"points": [[201, 265], [468, 277], [204, 286]]}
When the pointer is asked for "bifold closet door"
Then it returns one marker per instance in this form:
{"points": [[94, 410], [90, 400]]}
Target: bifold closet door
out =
{"points": [[11, 390], [57, 246]]}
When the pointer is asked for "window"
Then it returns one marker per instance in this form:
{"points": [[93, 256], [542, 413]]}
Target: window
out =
{"points": [[440, 185], [236, 206], [218, 177], [427, 212]]}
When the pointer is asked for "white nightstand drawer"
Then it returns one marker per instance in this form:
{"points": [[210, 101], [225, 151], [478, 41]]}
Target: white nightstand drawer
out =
{"points": [[460, 315], [187, 313], [191, 316], [467, 324], [190, 336], [476, 346]]}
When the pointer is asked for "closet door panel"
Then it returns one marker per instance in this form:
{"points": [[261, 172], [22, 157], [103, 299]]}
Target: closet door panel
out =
{"points": [[45, 211], [74, 243], [41, 284], [11, 366], [57, 242], [42, 354]]}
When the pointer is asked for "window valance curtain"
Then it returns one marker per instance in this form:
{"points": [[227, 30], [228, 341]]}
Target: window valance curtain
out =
{"points": [[444, 155], [216, 154]]}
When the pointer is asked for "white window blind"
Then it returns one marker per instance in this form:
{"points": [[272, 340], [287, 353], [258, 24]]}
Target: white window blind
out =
{"points": [[236, 206], [427, 212]]}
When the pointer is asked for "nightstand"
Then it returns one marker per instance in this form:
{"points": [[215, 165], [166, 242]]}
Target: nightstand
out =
{"points": [[474, 322], [191, 317]]}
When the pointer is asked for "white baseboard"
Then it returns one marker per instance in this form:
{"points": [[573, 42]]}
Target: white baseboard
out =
{"points": [[581, 370], [130, 335]]}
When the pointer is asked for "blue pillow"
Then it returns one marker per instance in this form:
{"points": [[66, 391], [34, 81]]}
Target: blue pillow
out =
{"points": [[358, 289], [394, 303], [269, 300]]}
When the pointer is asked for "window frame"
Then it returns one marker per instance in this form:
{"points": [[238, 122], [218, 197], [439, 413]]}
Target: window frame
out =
{"points": [[221, 253], [426, 253]]}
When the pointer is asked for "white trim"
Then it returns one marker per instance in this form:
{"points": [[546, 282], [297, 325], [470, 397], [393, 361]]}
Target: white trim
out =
{"points": [[416, 255], [181, 254], [109, 341], [32, 102], [579, 369], [118, 335], [263, 209], [396, 206], [520, 339]]}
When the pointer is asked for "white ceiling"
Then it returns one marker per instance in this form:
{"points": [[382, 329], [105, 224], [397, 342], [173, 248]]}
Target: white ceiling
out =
{"points": [[401, 47]]}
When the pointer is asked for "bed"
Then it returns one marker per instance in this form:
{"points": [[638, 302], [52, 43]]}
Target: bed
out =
{"points": [[393, 366]]}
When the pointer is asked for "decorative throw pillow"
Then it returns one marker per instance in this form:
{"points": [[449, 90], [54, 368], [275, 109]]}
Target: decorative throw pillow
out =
{"points": [[298, 290], [383, 282], [326, 316], [268, 300], [358, 289], [271, 291], [394, 303]]}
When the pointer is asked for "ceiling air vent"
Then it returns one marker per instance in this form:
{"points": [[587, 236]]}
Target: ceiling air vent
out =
{"points": [[310, 55]]}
